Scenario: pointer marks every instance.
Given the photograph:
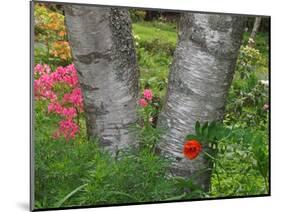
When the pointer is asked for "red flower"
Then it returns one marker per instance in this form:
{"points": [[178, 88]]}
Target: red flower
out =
{"points": [[191, 149]]}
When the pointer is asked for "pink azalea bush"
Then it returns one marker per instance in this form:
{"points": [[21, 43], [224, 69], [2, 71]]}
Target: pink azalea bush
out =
{"points": [[61, 90]]}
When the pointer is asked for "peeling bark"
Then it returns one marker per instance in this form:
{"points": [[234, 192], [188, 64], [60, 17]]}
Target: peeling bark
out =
{"points": [[105, 59], [199, 80]]}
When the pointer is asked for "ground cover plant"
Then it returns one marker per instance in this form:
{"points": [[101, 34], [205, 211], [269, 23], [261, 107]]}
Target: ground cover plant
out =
{"points": [[73, 169]]}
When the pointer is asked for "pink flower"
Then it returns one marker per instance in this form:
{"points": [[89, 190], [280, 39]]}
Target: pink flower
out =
{"points": [[51, 86], [45, 82], [147, 93], [54, 107], [47, 69], [48, 94], [143, 103], [67, 128], [55, 76], [75, 97], [41, 69], [66, 75], [69, 113]]}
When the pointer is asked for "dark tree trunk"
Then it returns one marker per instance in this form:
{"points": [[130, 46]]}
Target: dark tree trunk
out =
{"points": [[199, 80], [151, 15], [104, 55]]}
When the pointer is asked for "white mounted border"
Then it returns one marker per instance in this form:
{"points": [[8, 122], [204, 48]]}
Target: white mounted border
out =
{"points": [[251, 7], [14, 105]]}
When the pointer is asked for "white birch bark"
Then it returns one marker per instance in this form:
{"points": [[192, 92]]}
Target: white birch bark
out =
{"points": [[256, 26], [104, 55], [199, 80]]}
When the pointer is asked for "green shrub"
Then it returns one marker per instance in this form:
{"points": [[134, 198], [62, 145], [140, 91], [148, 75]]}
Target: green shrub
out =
{"points": [[248, 96], [239, 157], [59, 165], [79, 172], [155, 46], [137, 15], [261, 42], [249, 61]]}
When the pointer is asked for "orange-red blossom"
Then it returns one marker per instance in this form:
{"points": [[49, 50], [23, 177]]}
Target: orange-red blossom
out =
{"points": [[191, 149]]}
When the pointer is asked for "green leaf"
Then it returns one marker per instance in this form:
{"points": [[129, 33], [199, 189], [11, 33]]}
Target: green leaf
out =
{"points": [[122, 194], [179, 197], [212, 130], [191, 137], [59, 203], [197, 128], [204, 130], [212, 125]]}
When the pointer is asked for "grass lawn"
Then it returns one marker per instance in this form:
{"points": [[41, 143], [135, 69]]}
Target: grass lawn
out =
{"points": [[150, 31]]}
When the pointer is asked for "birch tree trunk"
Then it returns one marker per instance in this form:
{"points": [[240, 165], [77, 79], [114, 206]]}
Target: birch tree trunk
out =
{"points": [[199, 80], [104, 56], [256, 26]]}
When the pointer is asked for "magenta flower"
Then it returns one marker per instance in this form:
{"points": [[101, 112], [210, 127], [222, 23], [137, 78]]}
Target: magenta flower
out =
{"points": [[75, 98], [69, 113], [41, 69], [51, 86], [147, 93], [143, 103], [67, 129], [55, 108], [48, 94]]}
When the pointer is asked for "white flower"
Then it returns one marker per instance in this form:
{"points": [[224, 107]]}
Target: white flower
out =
{"points": [[264, 82]]}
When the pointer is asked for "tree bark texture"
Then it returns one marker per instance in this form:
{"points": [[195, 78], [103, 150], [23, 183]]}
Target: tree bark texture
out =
{"points": [[199, 79], [105, 59], [256, 26]]}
